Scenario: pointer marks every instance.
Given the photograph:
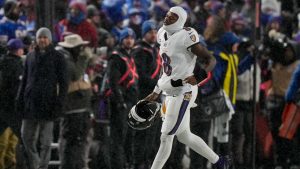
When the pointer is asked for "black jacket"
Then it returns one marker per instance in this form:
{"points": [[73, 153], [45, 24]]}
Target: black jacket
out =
{"points": [[11, 69], [44, 85], [147, 62], [117, 67]]}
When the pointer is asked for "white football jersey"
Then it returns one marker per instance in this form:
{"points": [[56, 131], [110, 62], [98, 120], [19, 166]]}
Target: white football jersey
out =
{"points": [[177, 61]]}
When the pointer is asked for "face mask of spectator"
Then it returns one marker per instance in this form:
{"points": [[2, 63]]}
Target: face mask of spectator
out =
{"points": [[137, 19]]}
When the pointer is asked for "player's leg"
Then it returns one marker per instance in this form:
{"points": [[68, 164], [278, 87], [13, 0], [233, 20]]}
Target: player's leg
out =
{"points": [[198, 145], [164, 151], [174, 109]]}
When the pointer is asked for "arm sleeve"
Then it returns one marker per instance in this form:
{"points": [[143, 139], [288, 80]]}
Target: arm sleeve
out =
{"points": [[219, 70], [199, 73], [143, 62], [245, 64], [62, 77], [12, 76], [20, 96], [114, 75], [94, 38]]}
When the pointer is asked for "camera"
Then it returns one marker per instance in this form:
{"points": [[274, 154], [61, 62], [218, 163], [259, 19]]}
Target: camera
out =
{"points": [[280, 49]]}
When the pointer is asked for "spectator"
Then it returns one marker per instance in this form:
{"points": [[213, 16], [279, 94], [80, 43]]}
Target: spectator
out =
{"points": [[282, 70], [124, 93], [135, 21], [148, 65], [219, 9], [41, 97], [239, 26], [11, 68], [222, 44], [77, 23], [3, 44], [10, 25], [76, 122], [274, 23], [242, 120], [113, 11]]}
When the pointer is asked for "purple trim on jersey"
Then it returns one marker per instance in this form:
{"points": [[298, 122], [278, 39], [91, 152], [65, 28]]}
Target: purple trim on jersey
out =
{"points": [[182, 110]]}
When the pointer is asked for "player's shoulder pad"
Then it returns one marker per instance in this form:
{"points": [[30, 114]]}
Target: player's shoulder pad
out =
{"points": [[191, 34], [187, 28], [190, 30]]}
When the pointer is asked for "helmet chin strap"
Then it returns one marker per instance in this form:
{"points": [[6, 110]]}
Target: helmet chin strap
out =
{"points": [[178, 25]]}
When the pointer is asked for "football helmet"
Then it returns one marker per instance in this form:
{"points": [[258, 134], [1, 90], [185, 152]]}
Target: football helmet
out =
{"points": [[143, 114]]}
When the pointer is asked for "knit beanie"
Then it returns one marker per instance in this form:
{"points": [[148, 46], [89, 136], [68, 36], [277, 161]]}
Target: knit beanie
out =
{"points": [[217, 7], [44, 32], [127, 32], [148, 26], [14, 44], [92, 11]]}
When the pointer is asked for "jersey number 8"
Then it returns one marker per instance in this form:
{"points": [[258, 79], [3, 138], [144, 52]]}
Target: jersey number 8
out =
{"points": [[166, 64]]}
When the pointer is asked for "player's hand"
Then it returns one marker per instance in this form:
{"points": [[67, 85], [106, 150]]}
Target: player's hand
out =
{"points": [[151, 97], [191, 80]]}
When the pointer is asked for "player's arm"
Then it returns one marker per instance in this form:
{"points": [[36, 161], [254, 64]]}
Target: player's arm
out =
{"points": [[152, 96], [205, 61], [204, 58]]}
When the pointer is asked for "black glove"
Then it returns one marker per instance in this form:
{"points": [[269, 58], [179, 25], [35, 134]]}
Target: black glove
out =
{"points": [[176, 83]]}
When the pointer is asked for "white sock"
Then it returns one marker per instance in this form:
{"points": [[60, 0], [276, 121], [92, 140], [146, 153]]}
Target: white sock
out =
{"points": [[198, 145]]}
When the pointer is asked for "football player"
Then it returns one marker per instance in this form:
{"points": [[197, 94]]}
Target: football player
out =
{"points": [[180, 50]]}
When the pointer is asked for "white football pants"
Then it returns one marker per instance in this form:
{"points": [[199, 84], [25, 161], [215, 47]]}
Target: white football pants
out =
{"points": [[183, 133]]}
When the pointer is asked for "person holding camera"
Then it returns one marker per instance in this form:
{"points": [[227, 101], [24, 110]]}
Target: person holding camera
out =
{"points": [[284, 56]]}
